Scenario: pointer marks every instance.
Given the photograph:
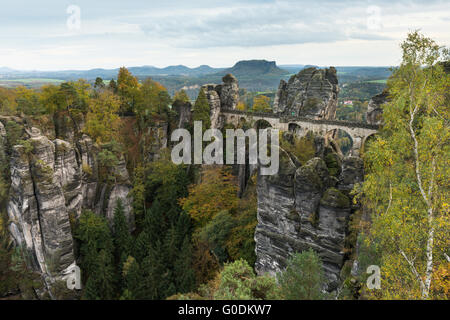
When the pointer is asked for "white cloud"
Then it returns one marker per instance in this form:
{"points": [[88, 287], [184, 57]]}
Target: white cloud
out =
{"points": [[211, 32]]}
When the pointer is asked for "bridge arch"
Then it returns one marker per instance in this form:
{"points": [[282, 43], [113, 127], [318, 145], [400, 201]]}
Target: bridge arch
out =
{"points": [[262, 124], [367, 140], [343, 139], [295, 128]]}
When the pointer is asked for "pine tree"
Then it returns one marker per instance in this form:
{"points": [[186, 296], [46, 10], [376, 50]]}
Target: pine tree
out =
{"points": [[202, 110], [303, 278], [132, 279], [121, 234], [96, 255]]}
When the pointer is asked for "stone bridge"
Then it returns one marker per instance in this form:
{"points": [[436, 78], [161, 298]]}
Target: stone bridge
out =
{"points": [[359, 132]]}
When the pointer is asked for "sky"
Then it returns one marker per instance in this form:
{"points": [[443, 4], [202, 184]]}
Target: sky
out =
{"points": [[86, 34]]}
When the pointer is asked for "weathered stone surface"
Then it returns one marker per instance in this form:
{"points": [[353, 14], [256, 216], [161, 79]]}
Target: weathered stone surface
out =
{"points": [[229, 94], [212, 94], [311, 93], [51, 181], [39, 218], [300, 208], [184, 113], [223, 96], [374, 113]]}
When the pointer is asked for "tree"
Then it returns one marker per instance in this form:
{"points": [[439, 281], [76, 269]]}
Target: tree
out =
{"points": [[132, 279], [96, 256], [27, 101], [99, 84], [128, 90], [239, 282], [303, 278], [202, 110], [181, 96], [102, 122], [155, 100], [261, 104], [217, 184], [121, 234], [406, 185], [112, 86]]}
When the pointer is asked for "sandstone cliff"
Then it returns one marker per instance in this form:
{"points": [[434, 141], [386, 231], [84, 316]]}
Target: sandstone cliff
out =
{"points": [[306, 207], [311, 93], [223, 96], [52, 181]]}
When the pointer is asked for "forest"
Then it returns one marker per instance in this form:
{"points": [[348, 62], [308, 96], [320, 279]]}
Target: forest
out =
{"points": [[193, 230]]}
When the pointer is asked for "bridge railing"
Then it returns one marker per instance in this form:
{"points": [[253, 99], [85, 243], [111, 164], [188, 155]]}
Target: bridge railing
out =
{"points": [[287, 119]]}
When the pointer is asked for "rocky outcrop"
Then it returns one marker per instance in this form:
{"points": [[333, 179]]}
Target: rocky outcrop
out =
{"points": [[37, 206], [305, 207], [311, 93], [52, 182], [374, 113], [184, 113], [223, 96]]}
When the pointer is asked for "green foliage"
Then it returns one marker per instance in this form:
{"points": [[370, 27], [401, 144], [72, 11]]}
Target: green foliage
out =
{"points": [[303, 148], [303, 278], [96, 256], [261, 104], [239, 282], [407, 166], [102, 122], [202, 110], [181, 96], [121, 234], [128, 90], [14, 132], [216, 232]]}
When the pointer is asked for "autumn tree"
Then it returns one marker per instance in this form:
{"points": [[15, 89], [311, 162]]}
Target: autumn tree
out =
{"points": [[128, 90], [181, 96], [102, 119], [406, 185], [216, 192], [261, 104]]}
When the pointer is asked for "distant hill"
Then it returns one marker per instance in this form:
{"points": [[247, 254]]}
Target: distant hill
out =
{"points": [[143, 71], [250, 68]]}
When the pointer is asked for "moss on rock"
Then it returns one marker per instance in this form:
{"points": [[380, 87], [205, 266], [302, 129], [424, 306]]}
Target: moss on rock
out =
{"points": [[335, 198]]}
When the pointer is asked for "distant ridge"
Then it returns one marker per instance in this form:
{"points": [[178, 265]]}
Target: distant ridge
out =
{"points": [[248, 68], [142, 71]]}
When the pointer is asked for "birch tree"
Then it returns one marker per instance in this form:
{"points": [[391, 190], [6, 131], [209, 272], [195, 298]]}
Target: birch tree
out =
{"points": [[407, 181]]}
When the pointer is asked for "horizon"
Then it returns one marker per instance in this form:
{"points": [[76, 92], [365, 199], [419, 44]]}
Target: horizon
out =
{"points": [[83, 35], [279, 65]]}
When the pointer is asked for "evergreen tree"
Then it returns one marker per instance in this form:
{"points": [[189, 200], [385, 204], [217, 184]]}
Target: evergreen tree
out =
{"points": [[303, 278], [121, 235], [96, 255], [202, 110], [132, 279]]}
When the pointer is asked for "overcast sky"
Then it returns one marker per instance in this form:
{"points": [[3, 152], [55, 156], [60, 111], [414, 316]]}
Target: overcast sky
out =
{"points": [[47, 35]]}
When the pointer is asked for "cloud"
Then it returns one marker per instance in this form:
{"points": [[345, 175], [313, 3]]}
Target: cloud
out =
{"points": [[213, 31]]}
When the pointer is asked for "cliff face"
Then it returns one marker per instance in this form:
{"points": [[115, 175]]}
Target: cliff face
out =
{"points": [[52, 181], [306, 207], [311, 93], [374, 113], [223, 96]]}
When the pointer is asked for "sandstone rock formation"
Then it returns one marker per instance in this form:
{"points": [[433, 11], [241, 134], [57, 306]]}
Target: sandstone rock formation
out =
{"points": [[306, 207], [52, 181], [311, 93], [223, 96], [374, 113]]}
